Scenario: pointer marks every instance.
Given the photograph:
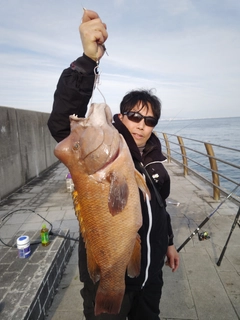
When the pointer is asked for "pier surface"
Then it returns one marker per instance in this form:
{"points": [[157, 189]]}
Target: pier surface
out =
{"points": [[46, 285]]}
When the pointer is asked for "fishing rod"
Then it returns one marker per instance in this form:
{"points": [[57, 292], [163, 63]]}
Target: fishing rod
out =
{"points": [[205, 220], [170, 120], [187, 125], [236, 221]]}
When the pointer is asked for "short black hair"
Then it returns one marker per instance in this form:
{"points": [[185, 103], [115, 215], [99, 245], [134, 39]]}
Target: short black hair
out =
{"points": [[143, 96]]}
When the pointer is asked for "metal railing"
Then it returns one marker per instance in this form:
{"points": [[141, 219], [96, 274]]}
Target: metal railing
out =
{"points": [[216, 165]]}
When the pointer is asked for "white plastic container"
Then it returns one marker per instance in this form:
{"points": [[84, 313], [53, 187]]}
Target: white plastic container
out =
{"points": [[69, 183], [23, 245]]}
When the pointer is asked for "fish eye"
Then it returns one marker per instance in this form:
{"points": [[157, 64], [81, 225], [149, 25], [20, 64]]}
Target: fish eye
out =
{"points": [[76, 146]]}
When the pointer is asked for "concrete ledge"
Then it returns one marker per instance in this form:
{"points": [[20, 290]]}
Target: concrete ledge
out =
{"points": [[27, 286]]}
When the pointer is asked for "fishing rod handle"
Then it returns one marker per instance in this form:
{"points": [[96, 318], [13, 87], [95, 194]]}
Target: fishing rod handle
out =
{"points": [[229, 236], [221, 256]]}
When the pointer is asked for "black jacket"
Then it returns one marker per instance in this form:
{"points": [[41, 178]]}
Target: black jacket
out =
{"points": [[72, 95]]}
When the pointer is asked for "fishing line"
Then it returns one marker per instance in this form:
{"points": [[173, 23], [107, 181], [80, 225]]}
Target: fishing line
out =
{"points": [[185, 126], [180, 120], [172, 119], [206, 220], [37, 242], [96, 84]]}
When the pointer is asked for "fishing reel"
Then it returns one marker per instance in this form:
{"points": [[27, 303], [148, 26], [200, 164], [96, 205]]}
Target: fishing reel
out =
{"points": [[203, 236]]}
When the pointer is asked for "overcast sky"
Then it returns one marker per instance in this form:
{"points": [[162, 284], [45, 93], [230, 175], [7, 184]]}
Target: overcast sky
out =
{"points": [[188, 51]]}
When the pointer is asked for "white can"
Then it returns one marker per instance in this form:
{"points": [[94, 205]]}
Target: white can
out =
{"points": [[23, 245]]}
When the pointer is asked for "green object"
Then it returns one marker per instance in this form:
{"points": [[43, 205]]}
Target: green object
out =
{"points": [[44, 235]]}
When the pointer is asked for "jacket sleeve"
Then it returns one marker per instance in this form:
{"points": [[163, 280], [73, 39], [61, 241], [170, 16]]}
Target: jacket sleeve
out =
{"points": [[73, 92], [170, 231], [165, 191]]}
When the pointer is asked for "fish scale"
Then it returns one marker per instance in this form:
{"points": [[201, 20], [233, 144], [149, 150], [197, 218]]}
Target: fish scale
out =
{"points": [[106, 201]]}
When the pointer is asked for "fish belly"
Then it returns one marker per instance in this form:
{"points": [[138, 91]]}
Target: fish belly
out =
{"points": [[109, 240]]}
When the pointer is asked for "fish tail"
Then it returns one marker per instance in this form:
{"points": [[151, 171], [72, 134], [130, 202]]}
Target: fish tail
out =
{"points": [[108, 301]]}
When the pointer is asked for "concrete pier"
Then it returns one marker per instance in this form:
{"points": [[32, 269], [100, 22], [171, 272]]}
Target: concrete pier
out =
{"points": [[199, 290]]}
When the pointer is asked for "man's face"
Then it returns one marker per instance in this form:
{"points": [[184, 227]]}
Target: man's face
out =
{"points": [[139, 131]]}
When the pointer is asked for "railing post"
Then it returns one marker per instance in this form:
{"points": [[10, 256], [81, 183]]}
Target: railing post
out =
{"points": [[213, 165], [167, 147], [184, 155]]}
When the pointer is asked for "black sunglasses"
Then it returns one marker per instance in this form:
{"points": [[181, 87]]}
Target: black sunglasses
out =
{"points": [[137, 117]]}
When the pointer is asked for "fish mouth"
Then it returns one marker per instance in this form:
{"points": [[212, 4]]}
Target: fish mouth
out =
{"points": [[74, 117], [75, 120]]}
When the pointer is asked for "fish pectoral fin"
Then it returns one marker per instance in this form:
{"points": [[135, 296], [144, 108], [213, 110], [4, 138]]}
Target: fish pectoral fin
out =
{"points": [[134, 265], [93, 268], [142, 184], [118, 193]]}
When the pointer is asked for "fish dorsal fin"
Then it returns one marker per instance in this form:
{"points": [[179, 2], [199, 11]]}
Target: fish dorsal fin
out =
{"points": [[76, 203], [118, 193], [93, 268]]}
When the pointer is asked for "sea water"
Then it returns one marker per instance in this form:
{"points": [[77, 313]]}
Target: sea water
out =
{"points": [[220, 131]]}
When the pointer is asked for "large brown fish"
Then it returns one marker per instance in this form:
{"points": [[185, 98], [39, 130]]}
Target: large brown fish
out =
{"points": [[107, 202]]}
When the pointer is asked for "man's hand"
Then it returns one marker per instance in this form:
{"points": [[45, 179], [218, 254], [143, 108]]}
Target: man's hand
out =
{"points": [[93, 34], [172, 258]]}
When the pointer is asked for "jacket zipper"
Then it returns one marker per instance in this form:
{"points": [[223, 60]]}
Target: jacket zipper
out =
{"points": [[149, 209], [148, 240]]}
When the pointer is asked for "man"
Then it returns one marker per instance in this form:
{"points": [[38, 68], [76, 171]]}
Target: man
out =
{"points": [[139, 114]]}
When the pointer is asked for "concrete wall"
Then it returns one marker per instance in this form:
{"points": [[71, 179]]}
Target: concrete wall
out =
{"points": [[26, 147]]}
